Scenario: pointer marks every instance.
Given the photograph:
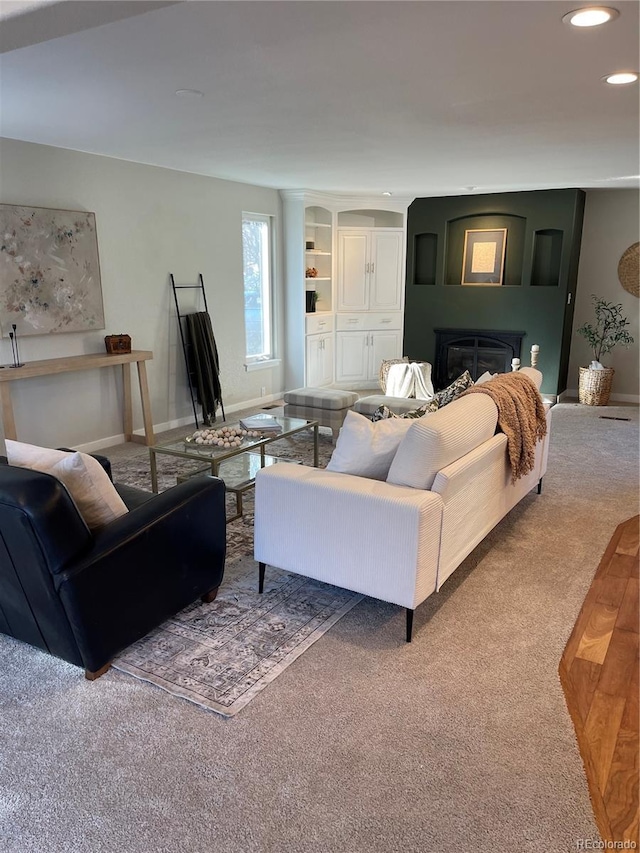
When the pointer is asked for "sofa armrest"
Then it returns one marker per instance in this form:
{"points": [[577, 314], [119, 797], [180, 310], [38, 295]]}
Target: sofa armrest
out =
{"points": [[364, 535], [144, 567]]}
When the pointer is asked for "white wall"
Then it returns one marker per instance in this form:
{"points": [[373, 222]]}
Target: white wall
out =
{"points": [[611, 225], [150, 222]]}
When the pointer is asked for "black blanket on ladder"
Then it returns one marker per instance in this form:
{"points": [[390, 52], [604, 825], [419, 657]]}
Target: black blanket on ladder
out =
{"points": [[204, 366]]}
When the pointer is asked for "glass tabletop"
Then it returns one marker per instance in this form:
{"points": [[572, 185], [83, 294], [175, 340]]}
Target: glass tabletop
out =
{"points": [[183, 447]]}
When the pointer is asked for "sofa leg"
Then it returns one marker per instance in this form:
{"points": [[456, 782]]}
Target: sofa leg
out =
{"points": [[409, 624], [210, 596], [261, 568], [91, 676], [540, 486]]}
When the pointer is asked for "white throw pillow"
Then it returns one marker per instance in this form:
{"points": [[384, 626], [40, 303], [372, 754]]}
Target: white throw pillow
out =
{"points": [[366, 449], [86, 480], [486, 377], [438, 439]]}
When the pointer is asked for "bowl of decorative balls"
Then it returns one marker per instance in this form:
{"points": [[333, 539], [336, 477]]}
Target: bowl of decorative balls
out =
{"points": [[224, 437]]}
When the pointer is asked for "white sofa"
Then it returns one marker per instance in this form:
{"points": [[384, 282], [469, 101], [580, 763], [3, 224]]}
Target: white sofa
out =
{"points": [[391, 540]]}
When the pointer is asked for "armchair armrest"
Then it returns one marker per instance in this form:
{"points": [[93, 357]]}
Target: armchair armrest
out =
{"points": [[364, 535], [144, 567]]}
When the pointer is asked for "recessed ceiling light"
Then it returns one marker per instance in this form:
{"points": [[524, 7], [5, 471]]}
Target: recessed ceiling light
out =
{"points": [[590, 16], [621, 78], [189, 93], [387, 193]]}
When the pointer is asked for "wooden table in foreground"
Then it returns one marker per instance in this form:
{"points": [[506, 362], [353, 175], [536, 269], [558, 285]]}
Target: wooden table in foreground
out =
{"points": [[599, 676], [73, 363]]}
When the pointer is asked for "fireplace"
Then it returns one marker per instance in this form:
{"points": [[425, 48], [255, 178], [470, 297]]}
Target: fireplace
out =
{"points": [[475, 350]]}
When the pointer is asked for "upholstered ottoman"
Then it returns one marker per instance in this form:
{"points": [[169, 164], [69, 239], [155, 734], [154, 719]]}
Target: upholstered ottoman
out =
{"points": [[328, 406], [398, 405]]}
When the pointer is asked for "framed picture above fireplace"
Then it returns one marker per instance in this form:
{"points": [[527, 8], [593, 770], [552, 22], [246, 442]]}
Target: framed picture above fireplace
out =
{"points": [[483, 257]]}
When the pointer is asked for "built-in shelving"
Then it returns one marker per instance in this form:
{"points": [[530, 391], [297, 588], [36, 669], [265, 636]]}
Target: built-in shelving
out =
{"points": [[318, 231]]}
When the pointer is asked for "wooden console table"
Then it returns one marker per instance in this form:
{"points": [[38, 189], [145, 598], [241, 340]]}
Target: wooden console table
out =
{"points": [[84, 362]]}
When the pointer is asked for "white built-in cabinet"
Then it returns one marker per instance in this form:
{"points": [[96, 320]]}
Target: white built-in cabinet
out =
{"points": [[370, 269], [357, 255], [363, 340], [319, 350]]}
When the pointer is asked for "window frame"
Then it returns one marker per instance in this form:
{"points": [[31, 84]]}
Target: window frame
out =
{"points": [[253, 362]]}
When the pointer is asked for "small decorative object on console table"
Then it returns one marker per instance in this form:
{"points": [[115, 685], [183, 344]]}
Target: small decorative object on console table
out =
{"points": [[609, 330], [117, 343], [14, 348]]}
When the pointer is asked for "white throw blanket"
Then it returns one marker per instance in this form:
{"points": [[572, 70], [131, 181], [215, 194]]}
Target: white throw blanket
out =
{"points": [[410, 380]]}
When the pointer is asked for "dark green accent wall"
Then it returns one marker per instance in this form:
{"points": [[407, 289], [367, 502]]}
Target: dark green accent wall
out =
{"points": [[544, 228]]}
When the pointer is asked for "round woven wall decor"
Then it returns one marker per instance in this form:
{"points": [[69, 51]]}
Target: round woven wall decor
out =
{"points": [[629, 270]]}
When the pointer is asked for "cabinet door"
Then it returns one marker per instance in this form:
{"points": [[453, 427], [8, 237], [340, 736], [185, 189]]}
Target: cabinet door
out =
{"points": [[383, 345], [385, 287], [353, 276], [314, 361], [326, 360], [352, 357], [319, 370]]}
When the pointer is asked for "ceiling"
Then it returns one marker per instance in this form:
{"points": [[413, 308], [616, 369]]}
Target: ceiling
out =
{"points": [[414, 98]]}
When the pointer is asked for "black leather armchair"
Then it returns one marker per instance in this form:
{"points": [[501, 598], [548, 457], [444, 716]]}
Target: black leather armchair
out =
{"points": [[85, 596]]}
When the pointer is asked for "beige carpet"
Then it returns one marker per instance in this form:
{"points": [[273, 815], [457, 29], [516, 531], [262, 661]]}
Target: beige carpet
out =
{"points": [[459, 742]]}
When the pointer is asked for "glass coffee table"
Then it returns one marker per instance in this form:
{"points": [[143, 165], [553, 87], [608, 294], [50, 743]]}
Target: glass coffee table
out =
{"points": [[237, 466]]}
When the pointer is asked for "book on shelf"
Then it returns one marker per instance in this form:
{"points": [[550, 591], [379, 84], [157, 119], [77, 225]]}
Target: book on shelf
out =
{"points": [[260, 422]]}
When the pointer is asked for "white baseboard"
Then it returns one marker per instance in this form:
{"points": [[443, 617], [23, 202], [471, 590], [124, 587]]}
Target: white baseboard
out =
{"points": [[572, 393], [110, 440]]}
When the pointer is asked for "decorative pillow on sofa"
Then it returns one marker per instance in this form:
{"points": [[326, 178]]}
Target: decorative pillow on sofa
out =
{"points": [[440, 399], [366, 449], [384, 412], [433, 443], [486, 377], [86, 480]]}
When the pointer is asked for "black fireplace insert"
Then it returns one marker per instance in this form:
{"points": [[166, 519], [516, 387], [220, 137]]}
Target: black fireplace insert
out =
{"points": [[475, 350]]}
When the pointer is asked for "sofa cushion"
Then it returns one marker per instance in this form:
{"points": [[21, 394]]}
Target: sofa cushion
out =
{"points": [[366, 449], [84, 477], [439, 438]]}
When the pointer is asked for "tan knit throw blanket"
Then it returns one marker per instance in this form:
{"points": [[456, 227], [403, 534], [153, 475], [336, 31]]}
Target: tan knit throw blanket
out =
{"points": [[521, 417]]}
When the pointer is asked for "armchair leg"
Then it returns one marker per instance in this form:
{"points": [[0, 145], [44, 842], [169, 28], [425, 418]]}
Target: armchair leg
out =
{"points": [[540, 486], [210, 596], [91, 676], [409, 624], [261, 568]]}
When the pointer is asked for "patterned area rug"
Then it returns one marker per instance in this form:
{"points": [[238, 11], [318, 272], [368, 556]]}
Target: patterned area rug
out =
{"points": [[221, 655]]}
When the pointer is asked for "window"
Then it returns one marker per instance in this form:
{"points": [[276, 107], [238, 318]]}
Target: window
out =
{"points": [[257, 271]]}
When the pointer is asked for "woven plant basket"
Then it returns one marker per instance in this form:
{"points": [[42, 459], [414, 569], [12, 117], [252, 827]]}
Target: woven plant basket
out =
{"points": [[595, 386]]}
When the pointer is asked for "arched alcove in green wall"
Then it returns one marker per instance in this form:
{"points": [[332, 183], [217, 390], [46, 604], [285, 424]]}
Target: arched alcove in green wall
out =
{"points": [[537, 295]]}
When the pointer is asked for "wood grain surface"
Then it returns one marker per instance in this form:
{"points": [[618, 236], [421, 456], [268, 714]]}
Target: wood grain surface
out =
{"points": [[599, 676]]}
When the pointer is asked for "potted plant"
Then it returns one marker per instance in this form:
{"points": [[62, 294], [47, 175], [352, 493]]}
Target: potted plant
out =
{"points": [[609, 330]]}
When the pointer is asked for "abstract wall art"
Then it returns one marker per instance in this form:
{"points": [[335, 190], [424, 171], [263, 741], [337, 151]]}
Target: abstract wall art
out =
{"points": [[49, 271]]}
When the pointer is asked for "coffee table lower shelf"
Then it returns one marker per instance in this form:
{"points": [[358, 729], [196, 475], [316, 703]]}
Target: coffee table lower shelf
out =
{"points": [[239, 474]]}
